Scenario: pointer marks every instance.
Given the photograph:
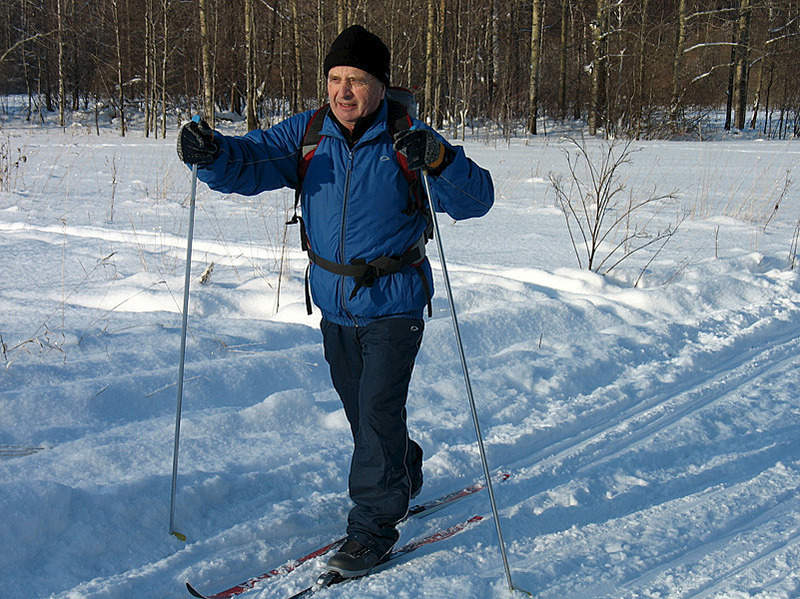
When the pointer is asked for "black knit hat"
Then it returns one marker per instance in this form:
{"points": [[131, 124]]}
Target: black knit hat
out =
{"points": [[357, 47]]}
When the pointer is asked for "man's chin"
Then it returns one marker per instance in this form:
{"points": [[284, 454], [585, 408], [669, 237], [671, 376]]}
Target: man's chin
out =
{"points": [[347, 117]]}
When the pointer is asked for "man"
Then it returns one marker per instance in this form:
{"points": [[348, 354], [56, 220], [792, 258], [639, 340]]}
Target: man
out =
{"points": [[369, 275]]}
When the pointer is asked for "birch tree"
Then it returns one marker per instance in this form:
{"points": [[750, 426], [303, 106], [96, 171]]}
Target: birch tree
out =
{"points": [[563, 47], [149, 54], [742, 72], [427, 107], [439, 77], [250, 67], [120, 78], [639, 80], [677, 61], [205, 54], [533, 83], [297, 90], [598, 29], [62, 95], [341, 15], [164, 55]]}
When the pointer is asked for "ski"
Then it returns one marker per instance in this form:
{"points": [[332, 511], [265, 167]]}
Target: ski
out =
{"points": [[328, 578], [417, 511]]}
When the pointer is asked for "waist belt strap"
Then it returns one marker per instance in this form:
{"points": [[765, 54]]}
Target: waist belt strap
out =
{"points": [[366, 273]]}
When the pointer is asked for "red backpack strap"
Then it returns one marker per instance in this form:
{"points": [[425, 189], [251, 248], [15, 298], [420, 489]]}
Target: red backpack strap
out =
{"points": [[400, 120], [311, 139]]}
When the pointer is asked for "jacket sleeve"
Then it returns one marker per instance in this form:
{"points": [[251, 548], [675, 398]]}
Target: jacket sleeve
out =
{"points": [[260, 161], [462, 189]]}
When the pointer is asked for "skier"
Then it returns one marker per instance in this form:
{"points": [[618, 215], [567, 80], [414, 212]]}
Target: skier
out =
{"points": [[365, 235]]}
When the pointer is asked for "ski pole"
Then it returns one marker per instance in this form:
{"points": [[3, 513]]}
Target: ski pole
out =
{"points": [[468, 385], [186, 279]]}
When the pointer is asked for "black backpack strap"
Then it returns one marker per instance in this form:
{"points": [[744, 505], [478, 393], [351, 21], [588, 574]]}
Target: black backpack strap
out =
{"points": [[366, 273]]}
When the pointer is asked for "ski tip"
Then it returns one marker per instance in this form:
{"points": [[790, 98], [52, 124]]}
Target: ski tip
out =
{"points": [[194, 592]]}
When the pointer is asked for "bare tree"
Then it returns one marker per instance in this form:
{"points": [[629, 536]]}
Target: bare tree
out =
{"points": [[208, 72], [250, 67], [677, 62], [341, 15], [427, 106], [563, 47], [533, 84], [439, 76], [598, 219], [321, 49], [297, 90], [599, 32], [164, 55], [149, 55], [742, 73], [640, 71], [62, 94], [120, 77]]}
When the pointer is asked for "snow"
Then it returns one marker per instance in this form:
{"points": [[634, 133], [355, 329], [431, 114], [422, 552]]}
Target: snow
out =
{"points": [[651, 431]]}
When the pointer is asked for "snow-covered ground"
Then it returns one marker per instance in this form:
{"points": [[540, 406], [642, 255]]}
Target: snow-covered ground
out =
{"points": [[652, 432]]}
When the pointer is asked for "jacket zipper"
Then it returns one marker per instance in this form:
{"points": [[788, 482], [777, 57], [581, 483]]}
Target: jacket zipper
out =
{"points": [[343, 230]]}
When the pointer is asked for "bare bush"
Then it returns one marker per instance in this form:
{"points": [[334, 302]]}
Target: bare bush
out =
{"points": [[599, 219]]}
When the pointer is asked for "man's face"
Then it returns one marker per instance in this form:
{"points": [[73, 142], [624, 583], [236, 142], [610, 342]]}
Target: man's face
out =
{"points": [[353, 94]]}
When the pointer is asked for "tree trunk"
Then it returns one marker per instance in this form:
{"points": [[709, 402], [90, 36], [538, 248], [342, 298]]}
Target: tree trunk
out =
{"points": [[677, 61], [599, 60], [62, 96], [639, 84], [729, 99], [341, 15], [765, 65], [742, 67], [320, 35], [297, 91], [148, 18], [439, 78], [579, 38], [427, 107], [250, 67], [165, 9], [562, 60], [494, 55], [208, 76], [533, 81], [120, 78]]}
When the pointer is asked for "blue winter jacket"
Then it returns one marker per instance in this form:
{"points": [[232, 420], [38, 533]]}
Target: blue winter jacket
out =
{"points": [[353, 203]]}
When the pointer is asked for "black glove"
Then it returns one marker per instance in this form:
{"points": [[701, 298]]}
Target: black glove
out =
{"points": [[196, 144], [422, 149]]}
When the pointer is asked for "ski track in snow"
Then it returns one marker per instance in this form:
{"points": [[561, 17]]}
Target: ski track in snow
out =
{"points": [[651, 432]]}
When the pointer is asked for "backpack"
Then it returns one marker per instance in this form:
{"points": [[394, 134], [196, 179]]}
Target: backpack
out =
{"points": [[402, 107]]}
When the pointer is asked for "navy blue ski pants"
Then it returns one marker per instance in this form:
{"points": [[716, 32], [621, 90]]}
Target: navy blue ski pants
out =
{"points": [[371, 368]]}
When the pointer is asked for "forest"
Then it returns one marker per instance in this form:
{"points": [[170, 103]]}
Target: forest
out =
{"points": [[639, 68]]}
